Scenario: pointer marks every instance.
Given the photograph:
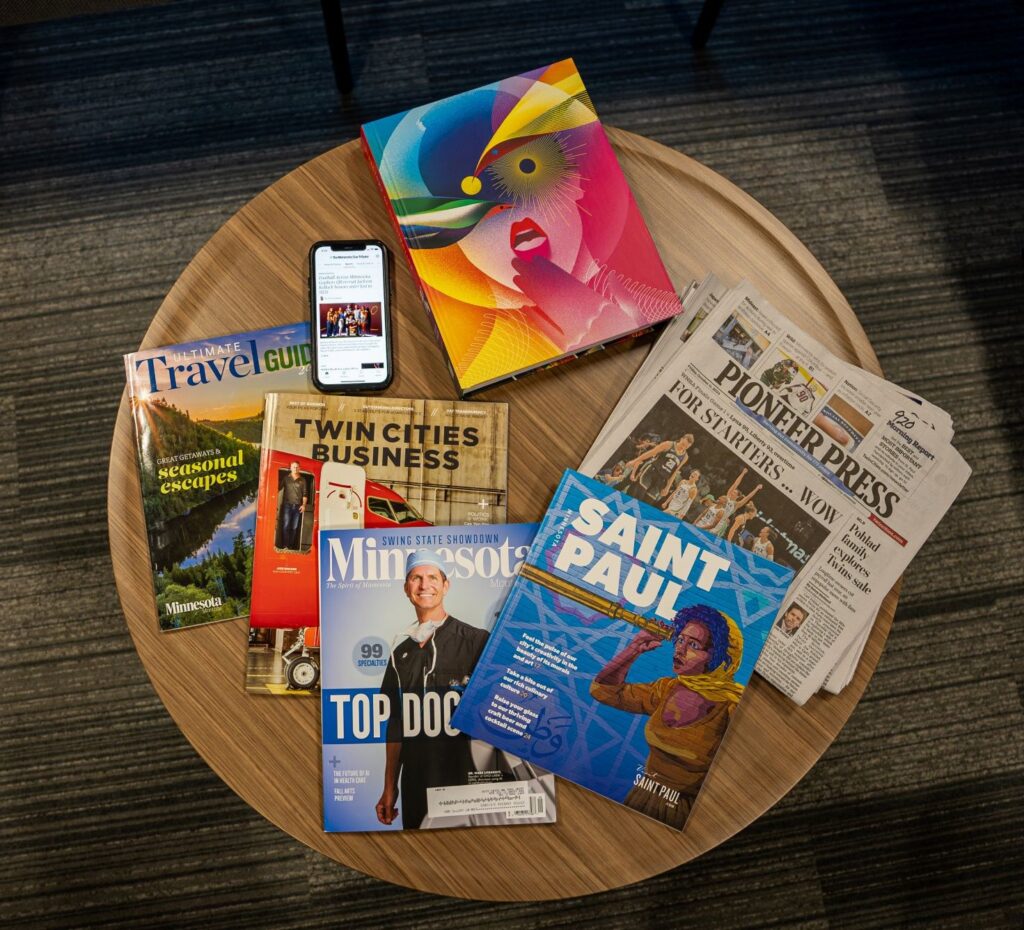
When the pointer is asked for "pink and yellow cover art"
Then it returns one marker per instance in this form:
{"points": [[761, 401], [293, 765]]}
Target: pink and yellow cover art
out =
{"points": [[520, 226]]}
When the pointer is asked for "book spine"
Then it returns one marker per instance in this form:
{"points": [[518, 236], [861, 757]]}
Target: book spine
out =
{"points": [[264, 517], [376, 172], [138, 425], [266, 438], [129, 375]]}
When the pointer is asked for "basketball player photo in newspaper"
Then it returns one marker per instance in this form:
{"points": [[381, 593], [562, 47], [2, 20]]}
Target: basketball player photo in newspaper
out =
{"points": [[754, 431]]}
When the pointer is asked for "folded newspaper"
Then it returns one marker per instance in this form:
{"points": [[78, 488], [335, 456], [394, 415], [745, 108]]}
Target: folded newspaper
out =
{"points": [[749, 428]]}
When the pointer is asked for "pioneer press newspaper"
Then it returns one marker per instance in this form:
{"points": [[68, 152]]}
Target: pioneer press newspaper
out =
{"points": [[744, 425]]}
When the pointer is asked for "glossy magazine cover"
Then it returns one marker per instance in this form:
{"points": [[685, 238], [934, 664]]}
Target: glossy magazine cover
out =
{"points": [[623, 649], [356, 462], [197, 409], [404, 617], [521, 229]]}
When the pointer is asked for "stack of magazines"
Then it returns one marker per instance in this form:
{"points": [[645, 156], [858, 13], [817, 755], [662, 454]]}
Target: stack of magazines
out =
{"points": [[747, 427], [747, 506]]}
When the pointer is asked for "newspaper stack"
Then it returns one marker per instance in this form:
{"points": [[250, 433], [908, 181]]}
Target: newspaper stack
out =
{"points": [[746, 426]]}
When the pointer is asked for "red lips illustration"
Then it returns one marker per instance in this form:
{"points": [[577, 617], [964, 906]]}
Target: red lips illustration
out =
{"points": [[528, 240]]}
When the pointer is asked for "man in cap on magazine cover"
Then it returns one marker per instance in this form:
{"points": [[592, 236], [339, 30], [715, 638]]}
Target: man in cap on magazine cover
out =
{"points": [[427, 671]]}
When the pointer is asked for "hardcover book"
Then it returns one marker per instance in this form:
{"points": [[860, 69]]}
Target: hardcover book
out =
{"points": [[197, 409], [623, 649], [334, 462], [518, 224], [405, 615]]}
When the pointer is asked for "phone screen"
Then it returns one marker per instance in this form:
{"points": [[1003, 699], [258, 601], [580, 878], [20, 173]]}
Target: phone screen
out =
{"points": [[351, 320]]}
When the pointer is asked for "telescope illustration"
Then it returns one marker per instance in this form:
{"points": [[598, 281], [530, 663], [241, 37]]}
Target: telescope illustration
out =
{"points": [[611, 609]]}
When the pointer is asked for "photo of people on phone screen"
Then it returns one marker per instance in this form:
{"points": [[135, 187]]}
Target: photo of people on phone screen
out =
{"points": [[348, 320]]}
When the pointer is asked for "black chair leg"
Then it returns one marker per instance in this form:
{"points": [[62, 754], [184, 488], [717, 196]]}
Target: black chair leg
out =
{"points": [[334, 25], [706, 22]]}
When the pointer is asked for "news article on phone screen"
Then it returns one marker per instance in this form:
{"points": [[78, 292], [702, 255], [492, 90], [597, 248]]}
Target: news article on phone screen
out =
{"points": [[350, 316]]}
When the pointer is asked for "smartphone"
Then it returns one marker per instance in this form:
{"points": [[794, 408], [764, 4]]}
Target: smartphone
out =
{"points": [[350, 315]]}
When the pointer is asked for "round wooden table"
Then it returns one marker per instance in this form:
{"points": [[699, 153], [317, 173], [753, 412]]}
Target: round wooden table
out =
{"points": [[252, 274]]}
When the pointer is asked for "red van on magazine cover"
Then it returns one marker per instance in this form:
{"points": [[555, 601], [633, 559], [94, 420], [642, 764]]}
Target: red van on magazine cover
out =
{"points": [[284, 576]]}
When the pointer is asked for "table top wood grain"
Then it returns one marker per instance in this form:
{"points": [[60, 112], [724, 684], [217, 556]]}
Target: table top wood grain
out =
{"points": [[252, 274]]}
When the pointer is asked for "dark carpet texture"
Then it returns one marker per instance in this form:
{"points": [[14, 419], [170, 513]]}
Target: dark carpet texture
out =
{"points": [[887, 136]]}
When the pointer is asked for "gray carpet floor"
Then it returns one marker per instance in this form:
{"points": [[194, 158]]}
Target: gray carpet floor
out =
{"points": [[888, 136]]}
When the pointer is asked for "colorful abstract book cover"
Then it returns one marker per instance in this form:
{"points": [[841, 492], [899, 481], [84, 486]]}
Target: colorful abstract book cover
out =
{"points": [[339, 462], [405, 615], [519, 224], [623, 649], [197, 409]]}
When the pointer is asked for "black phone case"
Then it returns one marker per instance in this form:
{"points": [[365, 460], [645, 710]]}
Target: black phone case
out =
{"points": [[314, 318]]}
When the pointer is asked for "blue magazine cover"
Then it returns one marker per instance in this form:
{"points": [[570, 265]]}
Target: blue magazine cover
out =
{"points": [[404, 617], [623, 649]]}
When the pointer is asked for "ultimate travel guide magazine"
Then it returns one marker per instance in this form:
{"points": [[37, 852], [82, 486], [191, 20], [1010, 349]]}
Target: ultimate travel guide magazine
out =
{"points": [[623, 649], [519, 226], [404, 617], [197, 412], [356, 462]]}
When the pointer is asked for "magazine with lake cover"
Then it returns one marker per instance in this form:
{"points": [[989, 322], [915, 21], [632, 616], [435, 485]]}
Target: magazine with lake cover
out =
{"points": [[623, 649], [404, 617], [197, 412], [356, 462]]}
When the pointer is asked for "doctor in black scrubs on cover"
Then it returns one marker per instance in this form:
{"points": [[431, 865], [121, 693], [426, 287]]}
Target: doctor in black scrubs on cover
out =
{"points": [[437, 653]]}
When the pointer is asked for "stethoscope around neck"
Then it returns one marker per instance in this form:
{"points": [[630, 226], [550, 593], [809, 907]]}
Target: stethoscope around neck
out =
{"points": [[399, 637]]}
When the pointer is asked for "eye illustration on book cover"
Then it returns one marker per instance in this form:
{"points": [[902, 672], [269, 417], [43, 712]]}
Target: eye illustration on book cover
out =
{"points": [[519, 223], [623, 649]]}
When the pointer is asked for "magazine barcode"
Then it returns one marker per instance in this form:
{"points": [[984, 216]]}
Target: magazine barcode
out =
{"points": [[537, 807]]}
